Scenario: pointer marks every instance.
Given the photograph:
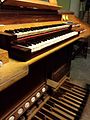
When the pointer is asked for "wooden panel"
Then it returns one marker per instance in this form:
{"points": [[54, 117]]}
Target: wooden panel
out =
{"points": [[13, 18], [33, 3], [16, 15], [12, 72]]}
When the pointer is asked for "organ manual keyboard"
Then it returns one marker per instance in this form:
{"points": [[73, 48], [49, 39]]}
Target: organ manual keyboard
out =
{"points": [[38, 36], [27, 41]]}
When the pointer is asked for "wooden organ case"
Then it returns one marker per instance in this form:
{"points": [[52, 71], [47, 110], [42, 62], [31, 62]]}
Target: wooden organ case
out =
{"points": [[38, 34]]}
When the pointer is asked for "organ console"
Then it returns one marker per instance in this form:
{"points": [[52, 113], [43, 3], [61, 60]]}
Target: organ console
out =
{"points": [[40, 38]]}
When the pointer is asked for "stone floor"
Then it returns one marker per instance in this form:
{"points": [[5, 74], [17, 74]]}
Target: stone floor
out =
{"points": [[80, 70], [80, 74]]}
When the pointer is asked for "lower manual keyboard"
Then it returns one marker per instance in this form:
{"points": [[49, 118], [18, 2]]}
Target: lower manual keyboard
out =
{"points": [[41, 44]]}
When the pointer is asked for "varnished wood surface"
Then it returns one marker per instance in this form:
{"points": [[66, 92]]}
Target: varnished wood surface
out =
{"points": [[10, 15], [12, 72], [34, 3]]}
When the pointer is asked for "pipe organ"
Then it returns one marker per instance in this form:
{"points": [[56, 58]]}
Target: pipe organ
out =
{"points": [[40, 37]]}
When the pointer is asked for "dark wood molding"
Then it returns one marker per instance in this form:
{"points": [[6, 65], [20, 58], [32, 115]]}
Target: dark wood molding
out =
{"points": [[17, 15]]}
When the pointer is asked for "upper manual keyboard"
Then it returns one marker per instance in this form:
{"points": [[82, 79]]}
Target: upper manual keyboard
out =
{"points": [[22, 32]]}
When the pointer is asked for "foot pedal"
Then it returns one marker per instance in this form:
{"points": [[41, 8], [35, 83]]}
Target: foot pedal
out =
{"points": [[66, 103]]}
